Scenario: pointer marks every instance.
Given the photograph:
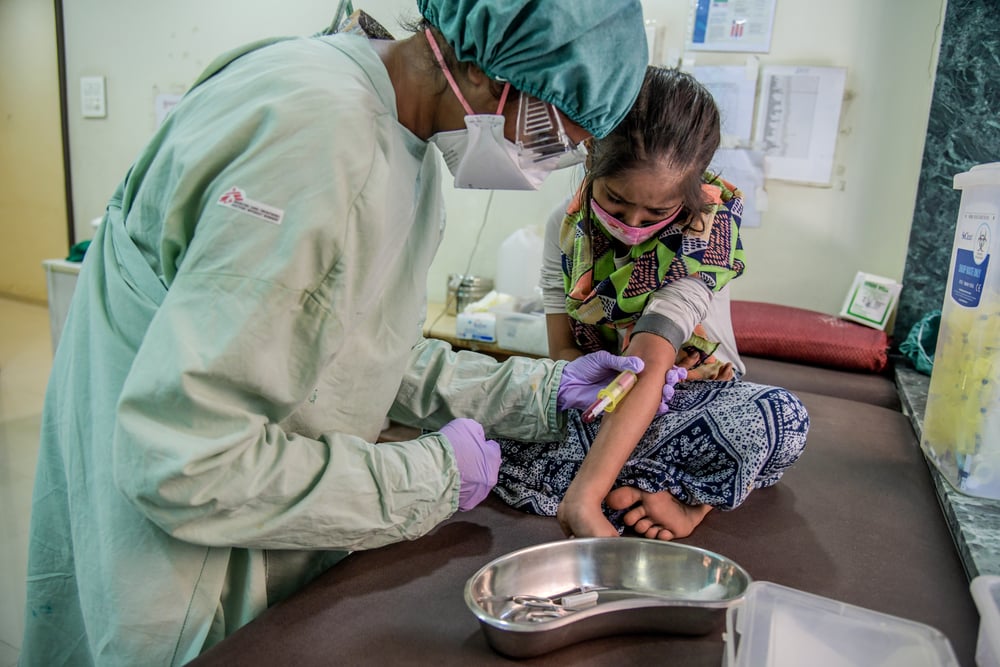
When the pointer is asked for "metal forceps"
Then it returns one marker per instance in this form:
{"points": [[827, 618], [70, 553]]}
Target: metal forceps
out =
{"points": [[539, 608]]}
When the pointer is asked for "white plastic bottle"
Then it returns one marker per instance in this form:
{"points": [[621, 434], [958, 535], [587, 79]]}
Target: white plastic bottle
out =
{"points": [[519, 262], [961, 429]]}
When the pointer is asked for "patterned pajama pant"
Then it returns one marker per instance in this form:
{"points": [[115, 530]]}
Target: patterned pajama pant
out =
{"points": [[719, 441]]}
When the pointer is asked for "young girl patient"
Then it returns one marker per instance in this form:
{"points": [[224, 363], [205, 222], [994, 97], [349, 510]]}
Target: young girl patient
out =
{"points": [[632, 265]]}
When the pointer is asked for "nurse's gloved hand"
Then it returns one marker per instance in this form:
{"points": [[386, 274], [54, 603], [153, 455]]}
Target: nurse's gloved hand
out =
{"points": [[674, 375], [477, 458], [583, 377]]}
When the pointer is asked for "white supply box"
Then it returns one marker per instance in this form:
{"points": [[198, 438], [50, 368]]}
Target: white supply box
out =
{"points": [[522, 332], [476, 326]]}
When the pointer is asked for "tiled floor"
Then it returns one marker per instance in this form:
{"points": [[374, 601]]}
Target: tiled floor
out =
{"points": [[25, 361]]}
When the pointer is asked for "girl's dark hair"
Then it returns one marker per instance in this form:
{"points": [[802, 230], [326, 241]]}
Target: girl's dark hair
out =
{"points": [[674, 119]]}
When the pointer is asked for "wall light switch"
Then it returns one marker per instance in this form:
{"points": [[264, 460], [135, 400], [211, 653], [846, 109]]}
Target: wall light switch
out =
{"points": [[93, 102]]}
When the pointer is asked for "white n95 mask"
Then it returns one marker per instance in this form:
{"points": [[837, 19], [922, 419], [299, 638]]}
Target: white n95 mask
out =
{"points": [[481, 157]]}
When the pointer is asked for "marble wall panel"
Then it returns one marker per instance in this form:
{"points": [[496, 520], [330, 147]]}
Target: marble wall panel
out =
{"points": [[963, 131]]}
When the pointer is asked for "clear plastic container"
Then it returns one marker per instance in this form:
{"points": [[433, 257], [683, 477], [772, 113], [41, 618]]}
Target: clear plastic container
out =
{"points": [[961, 429], [986, 594], [777, 626]]}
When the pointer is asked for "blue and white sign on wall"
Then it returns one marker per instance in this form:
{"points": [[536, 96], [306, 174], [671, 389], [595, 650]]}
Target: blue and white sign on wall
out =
{"points": [[731, 25]]}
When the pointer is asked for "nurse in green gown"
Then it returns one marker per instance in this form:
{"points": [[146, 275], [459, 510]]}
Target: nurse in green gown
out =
{"points": [[250, 311]]}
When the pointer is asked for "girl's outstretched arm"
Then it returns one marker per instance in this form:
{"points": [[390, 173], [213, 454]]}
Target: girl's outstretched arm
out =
{"points": [[580, 513]]}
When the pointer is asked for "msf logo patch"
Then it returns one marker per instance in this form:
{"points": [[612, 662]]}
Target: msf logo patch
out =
{"points": [[236, 199]]}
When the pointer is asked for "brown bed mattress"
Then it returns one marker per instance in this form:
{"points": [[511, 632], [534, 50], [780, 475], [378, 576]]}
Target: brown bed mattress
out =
{"points": [[856, 520]]}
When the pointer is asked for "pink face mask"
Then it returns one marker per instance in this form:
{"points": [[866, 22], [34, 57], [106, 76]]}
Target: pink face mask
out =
{"points": [[624, 233]]}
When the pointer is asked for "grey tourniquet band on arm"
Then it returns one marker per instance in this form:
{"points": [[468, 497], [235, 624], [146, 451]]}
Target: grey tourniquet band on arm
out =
{"points": [[673, 311]]}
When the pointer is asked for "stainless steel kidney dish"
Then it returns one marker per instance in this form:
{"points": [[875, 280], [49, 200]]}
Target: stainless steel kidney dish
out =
{"points": [[544, 597]]}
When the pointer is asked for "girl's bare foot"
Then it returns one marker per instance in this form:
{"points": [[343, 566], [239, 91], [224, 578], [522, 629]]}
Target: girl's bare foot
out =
{"points": [[657, 516]]}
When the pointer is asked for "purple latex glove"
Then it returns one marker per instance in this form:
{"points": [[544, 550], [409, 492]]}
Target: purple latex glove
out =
{"points": [[674, 375], [477, 458], [583, 377]]}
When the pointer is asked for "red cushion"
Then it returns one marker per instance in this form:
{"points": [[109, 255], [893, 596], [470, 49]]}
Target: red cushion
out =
{"points": [[806, 336]]}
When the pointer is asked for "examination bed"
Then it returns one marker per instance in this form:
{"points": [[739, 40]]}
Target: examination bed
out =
{"points": [[856, 520]]}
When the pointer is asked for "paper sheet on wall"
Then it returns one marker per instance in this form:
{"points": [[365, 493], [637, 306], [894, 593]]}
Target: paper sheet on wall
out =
{"points": [[734, 89], [798, 117], [731, 25], [745, 170]]}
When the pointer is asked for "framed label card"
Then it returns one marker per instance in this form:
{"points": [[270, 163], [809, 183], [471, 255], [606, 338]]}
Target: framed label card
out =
{"points": [[871, 300]]}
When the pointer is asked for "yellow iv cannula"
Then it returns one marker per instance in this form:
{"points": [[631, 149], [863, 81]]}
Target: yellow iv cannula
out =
{"points": [[609, 397]]}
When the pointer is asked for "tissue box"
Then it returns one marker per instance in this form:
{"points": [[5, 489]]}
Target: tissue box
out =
{"points": [[476, 326], [522, 332]]}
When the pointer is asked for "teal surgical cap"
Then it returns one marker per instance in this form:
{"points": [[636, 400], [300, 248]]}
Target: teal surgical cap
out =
{"points": [[586, 57]]}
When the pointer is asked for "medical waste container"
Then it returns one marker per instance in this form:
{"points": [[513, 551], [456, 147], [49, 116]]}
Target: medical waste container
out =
{"points": [[961, 429]]}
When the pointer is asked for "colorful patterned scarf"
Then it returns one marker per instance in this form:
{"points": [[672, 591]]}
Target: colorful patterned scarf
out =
{"points": [[602, 299]]}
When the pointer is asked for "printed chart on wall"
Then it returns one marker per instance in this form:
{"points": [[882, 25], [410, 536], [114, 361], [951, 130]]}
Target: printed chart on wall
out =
{"points": [[731, 25], [798, 118], [734, 89]]}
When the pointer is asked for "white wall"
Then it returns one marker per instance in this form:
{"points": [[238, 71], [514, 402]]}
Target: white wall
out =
{"points": [[144, 49], [811, 242]]}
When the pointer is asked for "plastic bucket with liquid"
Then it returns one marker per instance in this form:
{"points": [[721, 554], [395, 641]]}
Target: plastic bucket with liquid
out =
{"points": [[961, 428]]}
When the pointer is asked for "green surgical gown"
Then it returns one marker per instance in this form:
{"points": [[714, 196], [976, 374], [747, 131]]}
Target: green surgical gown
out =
{"points": [[246, 318]]}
